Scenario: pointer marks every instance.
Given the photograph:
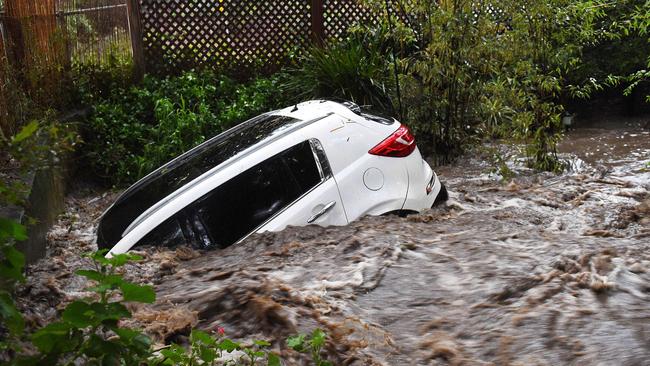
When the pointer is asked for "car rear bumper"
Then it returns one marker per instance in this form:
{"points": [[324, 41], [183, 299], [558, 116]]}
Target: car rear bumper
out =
{"points": [[424, 184]]}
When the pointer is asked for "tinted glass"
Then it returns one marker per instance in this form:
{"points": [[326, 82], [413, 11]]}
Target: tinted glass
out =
{"points": [[173, 175], [169, 233], [385, 120], [302, 165], [241, 205]]}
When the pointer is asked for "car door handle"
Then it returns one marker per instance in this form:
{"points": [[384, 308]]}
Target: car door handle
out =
{"points": [[322, 212]]}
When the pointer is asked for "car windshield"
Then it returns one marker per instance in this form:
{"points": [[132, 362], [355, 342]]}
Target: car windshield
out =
{"points": [[185, 168]]}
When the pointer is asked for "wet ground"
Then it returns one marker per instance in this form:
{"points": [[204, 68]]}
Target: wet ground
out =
{"points": [[542, 270]]}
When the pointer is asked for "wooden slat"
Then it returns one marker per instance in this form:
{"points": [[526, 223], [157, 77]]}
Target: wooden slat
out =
{"points": [[317, 21], [135, 30], [90, 10]]}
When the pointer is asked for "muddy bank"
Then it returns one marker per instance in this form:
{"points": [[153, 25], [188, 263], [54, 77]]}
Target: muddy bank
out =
{"points": [[542, 270]]}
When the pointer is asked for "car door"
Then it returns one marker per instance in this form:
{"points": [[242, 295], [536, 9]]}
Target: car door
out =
{"points": [[294, 187], [320, 201]]}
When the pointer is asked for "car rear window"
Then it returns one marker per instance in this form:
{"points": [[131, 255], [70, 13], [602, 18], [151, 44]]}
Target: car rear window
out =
{"points": [[379, 118], [182, 170]]}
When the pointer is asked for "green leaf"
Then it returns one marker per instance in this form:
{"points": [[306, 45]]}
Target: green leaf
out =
{"points": [[262, 343], [100, 289], [126, 334], [142, 343], [51, 336], [81, 314], [138, 293], [26, 132], [297, 342], [228, 345], [97, 347], [10, 229], [11, 267], [318, 338], [11, 317], [105, 282], [134, 340], [273, 360], [201, 336], [111, 311], [207, 355], [175, 353], [120, 260], [99, 257], [258, 353], [91, 275]]}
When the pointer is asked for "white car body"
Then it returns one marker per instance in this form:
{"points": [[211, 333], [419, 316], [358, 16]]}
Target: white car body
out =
{"points": [[360, 183]]}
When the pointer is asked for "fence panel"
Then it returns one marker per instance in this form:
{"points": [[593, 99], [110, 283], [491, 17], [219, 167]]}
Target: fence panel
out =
{"points": [[95, 30], [225, 34], [240, 35], [230, 35], [339, 15]]}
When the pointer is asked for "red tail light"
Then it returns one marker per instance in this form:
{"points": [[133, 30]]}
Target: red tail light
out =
{"points": [[398, 145]]}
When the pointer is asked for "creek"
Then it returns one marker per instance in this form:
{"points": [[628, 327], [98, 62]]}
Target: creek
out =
{"points": [[543, 270]]}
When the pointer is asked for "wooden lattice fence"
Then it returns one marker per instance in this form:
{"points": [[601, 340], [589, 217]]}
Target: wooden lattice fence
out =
{"points": [[168, 36], [238, 35], [339, 15]]}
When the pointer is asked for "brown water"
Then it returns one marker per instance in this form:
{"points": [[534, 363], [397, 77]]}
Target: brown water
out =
{"points": [[544, 270]]}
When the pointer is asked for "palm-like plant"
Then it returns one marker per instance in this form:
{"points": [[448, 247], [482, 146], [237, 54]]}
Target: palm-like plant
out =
{"points": [[353, 70]]}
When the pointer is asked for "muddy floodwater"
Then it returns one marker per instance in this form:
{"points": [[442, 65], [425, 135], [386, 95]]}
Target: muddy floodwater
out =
{"points": [[542, 270]]}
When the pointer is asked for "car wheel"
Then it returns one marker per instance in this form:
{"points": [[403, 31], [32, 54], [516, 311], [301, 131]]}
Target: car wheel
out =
{"points": [[400, 213], [442, 195]]}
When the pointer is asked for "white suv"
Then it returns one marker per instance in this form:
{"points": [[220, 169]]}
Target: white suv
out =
{"points": [[319, 162]]}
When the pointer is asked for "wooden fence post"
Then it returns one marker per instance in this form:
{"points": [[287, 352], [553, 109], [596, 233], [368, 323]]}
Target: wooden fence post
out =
{"points": [[317, 22], [4, 111], [135, 30]]}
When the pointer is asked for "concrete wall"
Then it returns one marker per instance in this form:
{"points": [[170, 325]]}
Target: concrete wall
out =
{"points": [[45, 203]]}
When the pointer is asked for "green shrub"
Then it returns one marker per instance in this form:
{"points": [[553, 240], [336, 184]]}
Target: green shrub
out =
{"points": [[471, 70], [94, 81], [355, 69], [208, 349], [136, 129], [12, 263], [312, 345], [35, 146], [88, 331]]}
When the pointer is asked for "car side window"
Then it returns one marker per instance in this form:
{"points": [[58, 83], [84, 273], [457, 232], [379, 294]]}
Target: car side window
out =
{"points": [[242, 204], [302, 166], [169, 234], [245, 202]]}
